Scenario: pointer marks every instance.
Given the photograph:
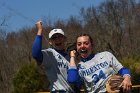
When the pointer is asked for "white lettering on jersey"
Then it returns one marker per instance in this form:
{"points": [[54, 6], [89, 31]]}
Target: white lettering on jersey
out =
{"points": [[61, 63], [92, 69]]}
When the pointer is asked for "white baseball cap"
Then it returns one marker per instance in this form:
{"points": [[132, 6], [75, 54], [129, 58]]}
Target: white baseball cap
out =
{"points": [[55, 31]]}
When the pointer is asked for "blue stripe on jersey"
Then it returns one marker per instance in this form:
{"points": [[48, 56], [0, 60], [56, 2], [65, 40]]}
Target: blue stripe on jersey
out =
{"points": [[124, 71], [36, 49]]}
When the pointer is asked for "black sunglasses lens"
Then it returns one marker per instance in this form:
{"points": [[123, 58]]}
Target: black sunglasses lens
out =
{"points": [[56, 36]]}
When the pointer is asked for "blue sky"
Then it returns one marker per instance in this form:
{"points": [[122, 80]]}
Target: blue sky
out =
{"points": [[22, 13]]}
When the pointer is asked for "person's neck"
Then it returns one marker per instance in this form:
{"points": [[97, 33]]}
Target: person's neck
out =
{"points": [[87, 58], [61, 51]]}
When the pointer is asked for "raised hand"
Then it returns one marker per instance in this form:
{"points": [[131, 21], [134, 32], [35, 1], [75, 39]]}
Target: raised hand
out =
{"points": [[72, 58], [39, 27], [72, 53]]}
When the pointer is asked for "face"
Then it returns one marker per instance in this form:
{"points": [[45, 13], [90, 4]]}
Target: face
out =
{"points": [[57, 41], [84, 46]]}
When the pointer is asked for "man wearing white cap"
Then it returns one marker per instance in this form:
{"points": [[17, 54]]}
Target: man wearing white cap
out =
{"points": [[54, 60]]}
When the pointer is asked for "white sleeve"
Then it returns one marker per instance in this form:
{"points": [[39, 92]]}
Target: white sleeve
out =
{"points": [[116, 65]]}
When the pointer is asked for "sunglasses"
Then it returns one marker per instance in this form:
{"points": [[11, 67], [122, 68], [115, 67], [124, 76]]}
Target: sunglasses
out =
{"points": [[57, 36]]}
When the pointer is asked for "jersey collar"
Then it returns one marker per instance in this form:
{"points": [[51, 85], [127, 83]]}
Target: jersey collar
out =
{"points": [[88, 58], [62, 52]]}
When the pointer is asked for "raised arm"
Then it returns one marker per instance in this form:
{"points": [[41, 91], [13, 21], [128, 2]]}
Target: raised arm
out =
{"points": [[72, 71], [37, 45]]}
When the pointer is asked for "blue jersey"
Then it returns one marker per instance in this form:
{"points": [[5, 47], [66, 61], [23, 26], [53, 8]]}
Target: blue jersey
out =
{"points": [[55, 64], [96, 69]]}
